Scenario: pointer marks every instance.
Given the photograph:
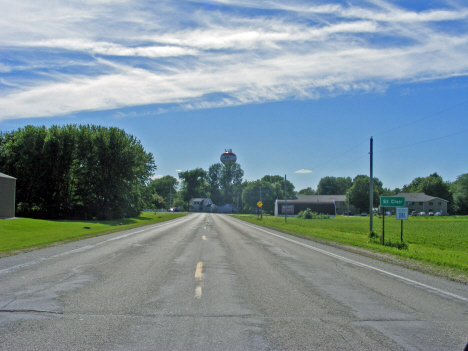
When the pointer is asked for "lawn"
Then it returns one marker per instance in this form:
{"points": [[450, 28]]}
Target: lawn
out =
{"points": [[441, 242], [24, 234]]}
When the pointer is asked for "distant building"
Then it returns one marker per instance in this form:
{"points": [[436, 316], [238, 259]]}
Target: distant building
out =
{"points": [[202, 205], [421, 202], [227, 208], [7, 196], [327, 204]]}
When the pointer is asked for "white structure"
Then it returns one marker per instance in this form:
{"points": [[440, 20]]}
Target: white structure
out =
{"points": [[202, 205], [228, 156]]}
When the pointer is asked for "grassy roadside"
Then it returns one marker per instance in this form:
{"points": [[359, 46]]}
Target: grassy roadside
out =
{"points": [[436, 245], [25, 234]]}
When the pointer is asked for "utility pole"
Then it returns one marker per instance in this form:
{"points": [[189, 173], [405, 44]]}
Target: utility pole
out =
{"points": [[285, 201], [348, 203], [170, 190], [371, 205], [261, 208]]}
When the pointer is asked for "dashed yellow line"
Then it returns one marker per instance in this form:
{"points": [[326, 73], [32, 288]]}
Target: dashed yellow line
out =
{"points": [[198, 271]]}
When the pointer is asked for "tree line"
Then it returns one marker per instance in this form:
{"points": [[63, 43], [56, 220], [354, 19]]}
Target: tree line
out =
{"points": [[80, 172], [87, 171], [223, 184], [357, 190], [219, 184]]}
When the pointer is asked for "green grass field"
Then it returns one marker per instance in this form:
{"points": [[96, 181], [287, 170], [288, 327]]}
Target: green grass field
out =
{"points": [[441, 242], [24, 234]]}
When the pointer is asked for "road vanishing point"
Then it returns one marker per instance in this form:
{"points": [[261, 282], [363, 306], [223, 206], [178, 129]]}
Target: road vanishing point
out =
{"points": [[213, 282]]}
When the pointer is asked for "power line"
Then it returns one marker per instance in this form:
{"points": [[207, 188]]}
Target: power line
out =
{"points": [[395, 148], [422, 119], [424, 141], [344, 153]]}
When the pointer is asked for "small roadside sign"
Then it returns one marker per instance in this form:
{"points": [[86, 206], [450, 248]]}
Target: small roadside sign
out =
{"points": [[259, 204], [402, 213], [392, 201]]}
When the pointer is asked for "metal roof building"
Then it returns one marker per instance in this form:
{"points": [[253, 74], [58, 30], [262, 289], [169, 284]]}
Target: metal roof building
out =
{"points": [[7, 196], [325, 204]]}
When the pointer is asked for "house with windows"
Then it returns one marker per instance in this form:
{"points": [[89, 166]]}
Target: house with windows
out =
{"points": [[421, 202], [202, 205]]}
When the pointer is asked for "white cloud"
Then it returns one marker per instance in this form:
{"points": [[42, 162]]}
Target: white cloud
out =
{"points": [[87, 56], [303, 171]]}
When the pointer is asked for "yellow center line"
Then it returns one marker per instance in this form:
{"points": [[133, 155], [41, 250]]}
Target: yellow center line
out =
{"points": [[198, 271]]}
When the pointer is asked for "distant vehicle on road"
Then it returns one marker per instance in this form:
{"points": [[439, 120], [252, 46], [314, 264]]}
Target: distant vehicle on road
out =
{"points": [[431, 213], [422, 214], [364, 214], [174, 209], [438, 213], [414, 213]]}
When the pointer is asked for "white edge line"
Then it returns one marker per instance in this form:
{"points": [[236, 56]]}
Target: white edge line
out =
{"points": [[356, 263]]}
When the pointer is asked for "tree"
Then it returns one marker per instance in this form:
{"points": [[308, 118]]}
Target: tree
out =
{"points": [[307, 191], [214, 180], [460, 194], [230, 181], [334, 185], [79, 172], [194, 184], [359, 193], [164, 188], [225, 182], [251, 196], [278, 184], [432, 185]]}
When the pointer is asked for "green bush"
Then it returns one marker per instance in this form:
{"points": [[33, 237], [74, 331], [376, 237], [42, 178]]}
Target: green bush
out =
{"points": [[308, 214]]}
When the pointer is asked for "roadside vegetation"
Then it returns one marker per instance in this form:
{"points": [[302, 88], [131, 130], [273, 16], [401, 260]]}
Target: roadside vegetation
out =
{"points": [[438, 245], [26, 234]]}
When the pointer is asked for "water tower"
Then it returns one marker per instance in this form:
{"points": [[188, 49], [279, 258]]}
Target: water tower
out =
{"points": [[228, 156]]}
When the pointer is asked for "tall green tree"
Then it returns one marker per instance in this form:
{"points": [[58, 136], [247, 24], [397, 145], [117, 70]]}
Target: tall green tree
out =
{"points": [[80, 172], [359, 193], [256, 191], [307, 191], [230, 181], [225, 182], [194, 184], [460, 194], [432, 185], [214, 181], [278, 184], [161, 191], [334, 185]]}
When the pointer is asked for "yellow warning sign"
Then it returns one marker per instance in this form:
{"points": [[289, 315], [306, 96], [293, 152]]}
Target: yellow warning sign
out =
{"points": [[259, 204]]}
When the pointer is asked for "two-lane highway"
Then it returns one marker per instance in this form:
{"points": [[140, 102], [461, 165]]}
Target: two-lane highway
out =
{"points": [[211, 282]]}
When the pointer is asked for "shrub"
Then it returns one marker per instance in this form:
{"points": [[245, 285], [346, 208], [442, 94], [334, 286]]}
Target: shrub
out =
{"points": [[308, 214]]}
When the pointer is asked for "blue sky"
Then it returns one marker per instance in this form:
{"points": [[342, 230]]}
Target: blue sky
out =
{"points": [[295, 88]]}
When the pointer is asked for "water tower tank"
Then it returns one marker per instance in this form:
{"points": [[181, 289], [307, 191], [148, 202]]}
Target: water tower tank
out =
{"points": [[228, 156]]}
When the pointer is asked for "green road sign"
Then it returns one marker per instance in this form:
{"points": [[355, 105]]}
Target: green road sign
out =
{"points": [[391, 201]]}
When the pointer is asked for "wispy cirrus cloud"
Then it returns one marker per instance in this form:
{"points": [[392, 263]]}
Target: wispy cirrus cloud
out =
{"points": [[303, 171], [84, 55]]}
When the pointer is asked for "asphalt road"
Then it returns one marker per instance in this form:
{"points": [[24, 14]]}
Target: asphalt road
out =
{"points": [[211, 282]]}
